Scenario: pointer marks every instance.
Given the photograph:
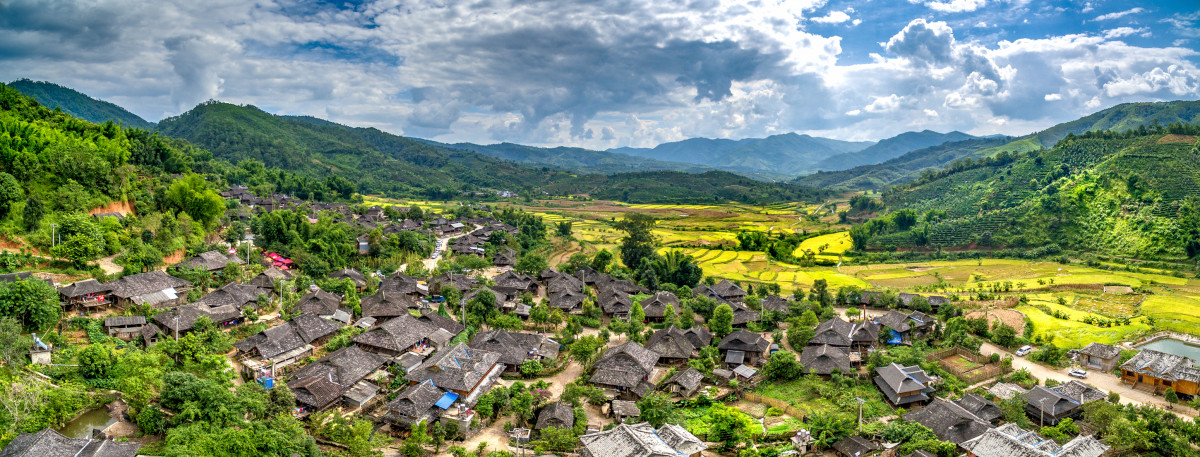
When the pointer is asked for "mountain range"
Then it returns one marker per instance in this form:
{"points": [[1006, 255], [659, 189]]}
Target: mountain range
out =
{"points": [[77, 104], [775, 157]]}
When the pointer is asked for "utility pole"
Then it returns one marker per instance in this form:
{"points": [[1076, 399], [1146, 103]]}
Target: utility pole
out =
{"points": [[53, 235], [860, 408], [1042, 412]]}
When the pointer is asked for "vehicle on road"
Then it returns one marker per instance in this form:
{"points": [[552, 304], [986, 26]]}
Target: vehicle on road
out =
{"points": [[1081, 374], [1024, 351]]}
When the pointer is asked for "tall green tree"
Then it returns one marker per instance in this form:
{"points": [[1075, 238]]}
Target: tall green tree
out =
{"points": [[31, 302], [721, 323], [191, 195], [10, 192], [34, 211], [638, 242]]}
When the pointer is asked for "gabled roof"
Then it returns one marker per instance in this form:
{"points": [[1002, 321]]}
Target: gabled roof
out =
{"points": [[689, 379], [145, 283], [436, 320], [85, 287], [1009, 440], [949, 421], [123, 321], [49, 443], [184, 317], [742, 340], [838, 332], [1080, 391], [1101, 350], [319, 302], [384, 304], [728, 289], [515, 348], [855, 445], [415, 401], [656, 305], [699, 336], [625, 366], [775, 303], [396, 335], [980, 407], [321, 382], [232, 294], [1006, 390], [1169, 367], [1055, 404], [823, 359], [457, 367], [641, 440], [671, 342], [211, 261], [557, 414], [354, 275]]}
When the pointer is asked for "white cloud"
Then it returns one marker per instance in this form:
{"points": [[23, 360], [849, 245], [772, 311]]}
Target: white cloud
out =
{"points": [[952, 6], [834, 17], [884, 104], [1123, 32], [1119, 14], [1052, 97]]}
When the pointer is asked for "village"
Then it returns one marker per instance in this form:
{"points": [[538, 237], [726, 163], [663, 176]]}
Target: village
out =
{"points": [[584, 362]]}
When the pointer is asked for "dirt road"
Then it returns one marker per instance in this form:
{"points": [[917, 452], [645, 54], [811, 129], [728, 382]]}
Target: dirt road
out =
{"points": [[1103, 381]]}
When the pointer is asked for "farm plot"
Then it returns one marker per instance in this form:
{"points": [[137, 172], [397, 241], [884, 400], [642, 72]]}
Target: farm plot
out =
{"points": [[1180, 313], [1075, 334]]}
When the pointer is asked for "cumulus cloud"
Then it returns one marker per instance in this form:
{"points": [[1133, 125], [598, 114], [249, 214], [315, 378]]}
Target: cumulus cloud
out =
{"points": [[952, 6], [1123, 32], [834, 17]]}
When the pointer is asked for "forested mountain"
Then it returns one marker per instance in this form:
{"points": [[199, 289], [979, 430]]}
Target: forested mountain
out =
{"points": [[890, 148], [901, 169], [1134, 194], [78, 104], [774, 157], [575, 159]]}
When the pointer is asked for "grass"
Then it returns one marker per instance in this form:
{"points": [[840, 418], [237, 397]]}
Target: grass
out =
{"points": [[1179, 313], [1075, 334], [837, 243], [813, 394]]}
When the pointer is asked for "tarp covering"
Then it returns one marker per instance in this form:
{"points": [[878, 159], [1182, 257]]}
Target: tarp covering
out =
{"points": [[446, 400], [895, 338]]}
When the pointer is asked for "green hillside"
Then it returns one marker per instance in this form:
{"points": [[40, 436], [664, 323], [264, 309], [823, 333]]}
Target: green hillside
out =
{"points": [[901, 169], [891, 148], [577, 160], [78, 104], [1135, 194]]}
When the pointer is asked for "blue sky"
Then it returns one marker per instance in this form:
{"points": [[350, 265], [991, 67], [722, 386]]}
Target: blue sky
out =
{"points": [[609, 73]]}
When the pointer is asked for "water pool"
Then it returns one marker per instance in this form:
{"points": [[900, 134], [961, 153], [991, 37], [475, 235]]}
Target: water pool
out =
{"points": [[1173, 346]]}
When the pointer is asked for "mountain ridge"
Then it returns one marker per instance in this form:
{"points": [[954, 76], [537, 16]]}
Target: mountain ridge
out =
{"points": [[78, 104]]}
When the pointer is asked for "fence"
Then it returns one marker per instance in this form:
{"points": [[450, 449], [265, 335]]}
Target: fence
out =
{"points": [[775, 403], [970, 375]]}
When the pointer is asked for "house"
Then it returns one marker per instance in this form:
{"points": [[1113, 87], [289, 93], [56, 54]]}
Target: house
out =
{"points": [[1160, 370], [438, 321], [211, 261], [903, 385], [856, 446], [513, 284], [182, 319], [150, 334], [656, 306], [277, 347], [269, 277], [567, 301], [620, 410], [745, 347], [699, 336], [396, 336], [321, 384], [155, 288], [49, 443], [383, 306], [460, 369], [1080, 391], [498, 297], [363, 243], [980, 407], [729, 291], [627, 369], [743, 316], [949, 421], [516, 348], [1099, 356], [319, 302], [859, 336], [776, 304], [671, 344], [905, 328], [1010, 440], [641, 440], [400, 283], [415, 404], [557, 414], [360, 282], [614, 302], [1048, 406], [1006, 390], [233, 294], [505, 258], [823, 359], [684, 383], [458, 281], [124, 327], [86, 295]]}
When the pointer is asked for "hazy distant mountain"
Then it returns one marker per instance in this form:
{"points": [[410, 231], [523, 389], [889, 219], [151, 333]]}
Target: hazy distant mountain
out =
{"points": [[890, 148], [576, 159], [78, 104], [775, 157]]}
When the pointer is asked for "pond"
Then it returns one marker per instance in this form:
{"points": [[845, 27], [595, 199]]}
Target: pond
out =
{"points": [[82, 426], [1173, 346]]}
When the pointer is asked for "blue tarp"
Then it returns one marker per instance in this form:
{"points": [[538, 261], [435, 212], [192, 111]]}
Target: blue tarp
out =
{"points": [[446, 400], [895, 339]]}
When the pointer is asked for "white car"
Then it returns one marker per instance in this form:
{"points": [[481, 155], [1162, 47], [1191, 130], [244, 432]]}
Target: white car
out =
{"points": [[1024, 351], [1081, 374]]}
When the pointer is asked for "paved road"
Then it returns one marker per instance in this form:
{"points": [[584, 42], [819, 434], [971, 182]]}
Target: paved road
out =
{"points": [[443, 243], [1103, 381]]}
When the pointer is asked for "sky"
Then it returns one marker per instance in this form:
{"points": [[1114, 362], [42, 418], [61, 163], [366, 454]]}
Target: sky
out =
{"points": [[611, 73]]}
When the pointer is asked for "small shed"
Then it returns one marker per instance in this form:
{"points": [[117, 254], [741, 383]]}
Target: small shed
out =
{"points": [[856, 446], [623, 409], [124, 327]]}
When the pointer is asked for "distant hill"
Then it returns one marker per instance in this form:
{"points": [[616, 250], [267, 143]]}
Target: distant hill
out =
{"points": [[900, 169], [890, 148], [78, 104], [576, 159], [774, 157], [379, 162]]}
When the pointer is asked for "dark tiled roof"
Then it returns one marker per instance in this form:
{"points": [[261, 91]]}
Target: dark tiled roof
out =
{"points": [[1009, 440], [354, 275], [557, 414], [949, 421], [641, 440], [775, 303], [980, 407], [699, 336], [386, 305], [85, 287], [689, 379], [145, 283], [656, 305], [49, 443], [742, 340], [319, 302], [671, 343], [323, 381], [1169, 367], [728, 289], [1055, 404], [233, 294], [625, 366], [1101, 350], [431, 317], [414, 402], [855, 445], [396, 335], [823, 359], [457, 367], [1080, 391], [211, 261], [122, 321], [515, 348]]}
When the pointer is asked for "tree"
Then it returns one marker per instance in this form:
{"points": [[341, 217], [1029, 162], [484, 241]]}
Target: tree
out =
{"points": [[95, 360], [531, 368], [782, 366], [82, 239], [721, 323], [34, 210], [1003, 334], [727, 426], [10, 191], [601, 260], [656, 407], [32, 302], [531, 264], [638, 242], [1171, 396], [820, 293], [540, 314], [564, 229], [13, 345], [191, 195]]}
